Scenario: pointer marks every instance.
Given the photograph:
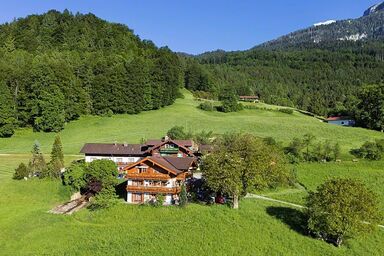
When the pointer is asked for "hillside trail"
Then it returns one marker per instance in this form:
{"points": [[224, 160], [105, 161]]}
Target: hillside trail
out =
{"points": [[71, 206], [254, 196]]}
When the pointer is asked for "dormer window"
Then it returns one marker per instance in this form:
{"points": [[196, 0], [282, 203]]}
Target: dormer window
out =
{"points": [[142, 168], [169, 146]]}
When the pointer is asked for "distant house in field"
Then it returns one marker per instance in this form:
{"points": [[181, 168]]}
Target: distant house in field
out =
{"points": [[249, 98], [152, 168], [341, 120]]}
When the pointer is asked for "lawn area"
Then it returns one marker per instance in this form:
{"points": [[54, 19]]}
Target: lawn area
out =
{"points": [[257, 228], [311, 175], [154, 124]]}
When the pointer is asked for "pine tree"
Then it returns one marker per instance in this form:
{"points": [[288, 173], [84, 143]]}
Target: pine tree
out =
{"points": [[57, 154], [183, 196], [37, 164], [7, 113], [54, 167], [21, 172]]}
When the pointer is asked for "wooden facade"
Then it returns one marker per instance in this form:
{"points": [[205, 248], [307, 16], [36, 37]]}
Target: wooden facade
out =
{"points": [[152, 168], [152, 176]]}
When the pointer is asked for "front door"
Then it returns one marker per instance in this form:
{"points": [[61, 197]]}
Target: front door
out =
{"points": [[137, 197]]}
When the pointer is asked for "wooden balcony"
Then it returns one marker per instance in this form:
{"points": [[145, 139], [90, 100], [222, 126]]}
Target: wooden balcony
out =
{"points": [[153, 189], [147, 176]]}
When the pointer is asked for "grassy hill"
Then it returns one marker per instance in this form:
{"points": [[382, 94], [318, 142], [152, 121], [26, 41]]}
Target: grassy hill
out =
{"points": [[258, 227], [154, 124]]}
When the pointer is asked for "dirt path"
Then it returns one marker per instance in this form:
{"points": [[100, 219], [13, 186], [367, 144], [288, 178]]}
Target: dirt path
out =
{"points": [[273, 200], [70, 207], [254, 196]]}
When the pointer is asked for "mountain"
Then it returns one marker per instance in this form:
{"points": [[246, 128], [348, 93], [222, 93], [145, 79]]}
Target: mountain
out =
{"points": [[321, 69], [374, 9], [366, 28]]}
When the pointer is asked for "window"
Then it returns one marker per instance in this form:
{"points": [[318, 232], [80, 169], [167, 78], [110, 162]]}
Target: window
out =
{"points": [[119, 160], [142, 169], [137, 197], [137, 183]]}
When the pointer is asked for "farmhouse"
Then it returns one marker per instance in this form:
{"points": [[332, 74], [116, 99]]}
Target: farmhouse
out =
{"points": [[341, 120], [152, 168]]}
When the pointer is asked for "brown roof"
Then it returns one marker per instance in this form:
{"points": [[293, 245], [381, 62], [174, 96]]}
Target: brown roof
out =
{"points": [[112, 149], [158, 161], [184, 143], [175, 165], [180, 163], [180, 145]]}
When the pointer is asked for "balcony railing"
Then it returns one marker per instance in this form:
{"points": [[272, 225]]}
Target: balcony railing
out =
{"points": [[149, 176], [169, 150], [153, 189]]}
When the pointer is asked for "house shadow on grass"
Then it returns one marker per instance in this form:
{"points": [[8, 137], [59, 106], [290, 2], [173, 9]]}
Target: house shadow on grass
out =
{"points": [[121, 190], [294, 218]]}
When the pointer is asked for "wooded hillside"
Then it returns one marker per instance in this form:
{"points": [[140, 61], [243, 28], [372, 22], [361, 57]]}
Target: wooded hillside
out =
{"points": [[58, 66]]}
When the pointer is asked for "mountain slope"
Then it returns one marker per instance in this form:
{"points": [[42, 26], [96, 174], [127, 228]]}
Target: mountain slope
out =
{"points": [[59, 66], [366, 28]]}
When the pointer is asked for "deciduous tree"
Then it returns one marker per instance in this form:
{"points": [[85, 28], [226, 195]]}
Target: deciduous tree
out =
{"points": [[340, 209]]}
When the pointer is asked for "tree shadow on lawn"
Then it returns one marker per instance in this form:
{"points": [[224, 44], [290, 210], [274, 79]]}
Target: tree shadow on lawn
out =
{"points": [[294, 218]]}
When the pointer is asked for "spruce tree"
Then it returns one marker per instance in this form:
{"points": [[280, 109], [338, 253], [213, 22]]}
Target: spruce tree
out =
{"points": [[54, 167], [7, 113], [37, 163], [57, 154], [21, 172], [183, 196]]}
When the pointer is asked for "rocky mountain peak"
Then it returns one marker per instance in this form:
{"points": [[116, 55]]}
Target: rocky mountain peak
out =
{"points": [[374, 9]]}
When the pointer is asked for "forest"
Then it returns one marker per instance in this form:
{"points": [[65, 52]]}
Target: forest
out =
{"points": [[57, 66], [326, 79]]}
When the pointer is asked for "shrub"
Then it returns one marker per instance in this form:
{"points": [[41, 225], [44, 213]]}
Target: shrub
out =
{"points": [[206, 106], [74, 176], [177, 133], [270, 141], [106, 198], [109, 113], [286, 110], [369, 150], [21, 172]]}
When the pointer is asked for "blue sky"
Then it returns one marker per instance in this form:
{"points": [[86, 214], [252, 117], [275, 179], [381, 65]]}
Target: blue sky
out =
{"points": [[196, 26]]}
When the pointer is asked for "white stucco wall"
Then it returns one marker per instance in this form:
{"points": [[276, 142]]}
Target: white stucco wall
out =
{"points": [[115, 159], [168, 199], [129, 197]]}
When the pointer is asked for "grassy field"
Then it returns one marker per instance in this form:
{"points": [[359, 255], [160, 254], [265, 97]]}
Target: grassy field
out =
{"points": [[257, 228], [154, 124], [311, 175]]}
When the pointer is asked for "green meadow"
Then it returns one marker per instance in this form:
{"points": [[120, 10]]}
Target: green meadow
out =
{"points": [[257, 228], [154, 124]]}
